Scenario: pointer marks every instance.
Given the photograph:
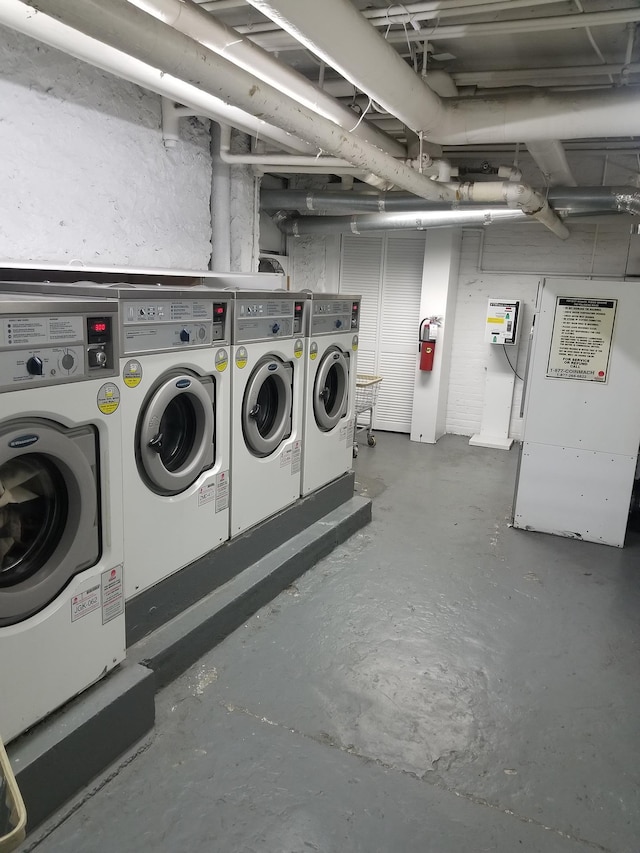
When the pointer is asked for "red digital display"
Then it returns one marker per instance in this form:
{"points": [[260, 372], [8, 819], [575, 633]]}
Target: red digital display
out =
{"points": [[298, 306], [98, 326], [355, 306], [219, 309]]}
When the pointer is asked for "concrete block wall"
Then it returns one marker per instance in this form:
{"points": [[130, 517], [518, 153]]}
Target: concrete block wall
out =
{"points": [[85, 175]]}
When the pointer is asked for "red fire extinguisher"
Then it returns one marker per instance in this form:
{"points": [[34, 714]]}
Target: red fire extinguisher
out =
{"points": [[427, 343]]}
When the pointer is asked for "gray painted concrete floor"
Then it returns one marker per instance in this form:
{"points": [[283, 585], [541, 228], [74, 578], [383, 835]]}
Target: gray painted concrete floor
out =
{"points": [[442, 682]]}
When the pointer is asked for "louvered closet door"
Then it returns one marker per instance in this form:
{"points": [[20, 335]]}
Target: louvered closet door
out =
{"points": [[387, 270]]}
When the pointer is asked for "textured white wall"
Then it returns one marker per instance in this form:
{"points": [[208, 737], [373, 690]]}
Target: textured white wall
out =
{"points": [[84, 174], [243, 202]]}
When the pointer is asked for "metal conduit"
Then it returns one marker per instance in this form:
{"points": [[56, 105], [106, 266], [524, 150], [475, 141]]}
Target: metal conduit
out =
{"points": [[566, 201], [418, 220]]}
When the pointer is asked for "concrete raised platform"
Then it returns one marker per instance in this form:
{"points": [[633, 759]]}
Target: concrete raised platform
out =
{"points": [[66, 751], [173, 647], [164, 601], [170, 627]]}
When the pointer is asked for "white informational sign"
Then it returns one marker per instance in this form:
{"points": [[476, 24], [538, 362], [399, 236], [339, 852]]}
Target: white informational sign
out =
{"points": [[581, 339], [502, 321]]}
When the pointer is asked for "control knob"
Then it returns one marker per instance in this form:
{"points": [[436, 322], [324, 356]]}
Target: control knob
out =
{"points": [[185, 336], [275, 328], [338, 324], [67, 361], [35, 366], [97, 358]]}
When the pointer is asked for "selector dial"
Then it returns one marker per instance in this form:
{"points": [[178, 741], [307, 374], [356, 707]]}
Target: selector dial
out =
{"points": [[275, 328], [338, 324], [97, 358], [35, 366], [185, 336], [67, 361]]}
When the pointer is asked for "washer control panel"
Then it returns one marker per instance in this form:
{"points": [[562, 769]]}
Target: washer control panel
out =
{"points": [[51, 349], [158, 325], [333, 315], [266, 318]]}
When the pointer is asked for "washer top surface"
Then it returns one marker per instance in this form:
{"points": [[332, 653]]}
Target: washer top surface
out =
{"points": [[38, 303]]}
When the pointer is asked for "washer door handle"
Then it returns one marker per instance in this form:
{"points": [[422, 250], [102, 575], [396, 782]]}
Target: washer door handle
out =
{"points": [[156, 442], [255, 411]]}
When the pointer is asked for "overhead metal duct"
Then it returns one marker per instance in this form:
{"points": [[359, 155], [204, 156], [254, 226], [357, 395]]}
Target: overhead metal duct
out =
{"points": [[566, 201], [418, 220]]}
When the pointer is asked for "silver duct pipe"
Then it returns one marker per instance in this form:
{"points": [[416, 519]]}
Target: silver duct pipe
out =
{"points": [[418, 220], [566, 201]]}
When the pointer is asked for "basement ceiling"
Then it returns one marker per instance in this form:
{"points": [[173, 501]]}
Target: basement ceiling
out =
{"points": [[484, 48]]}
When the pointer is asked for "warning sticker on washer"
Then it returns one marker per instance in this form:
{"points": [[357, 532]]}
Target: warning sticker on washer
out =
{"points": [[298, 348], [207, 493], [132, 373], [313, 351], [108, 398], [222, 360], [354, 343], [285, 456], [112, 594], [222, 491], [242, 356], [296, 457], [346, 431], [85, 602]]}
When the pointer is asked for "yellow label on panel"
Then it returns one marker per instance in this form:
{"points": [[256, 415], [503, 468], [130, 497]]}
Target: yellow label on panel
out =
{"points": [[298, 348], [132, 373], [354, 343], [108, 398], [313, 351], [222, 360], [242, 356], [493, 320]]}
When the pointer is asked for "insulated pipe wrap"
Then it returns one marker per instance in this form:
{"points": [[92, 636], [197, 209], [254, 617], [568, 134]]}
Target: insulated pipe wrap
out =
{"points": [[125, 27]]}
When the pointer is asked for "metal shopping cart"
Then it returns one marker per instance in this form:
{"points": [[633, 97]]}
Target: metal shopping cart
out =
{"points": [[367, 388], [13, 815]]}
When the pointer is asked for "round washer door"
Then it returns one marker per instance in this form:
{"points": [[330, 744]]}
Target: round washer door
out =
{"points": [[49, 520], [176, 429], [331, 389], [267, 406]]}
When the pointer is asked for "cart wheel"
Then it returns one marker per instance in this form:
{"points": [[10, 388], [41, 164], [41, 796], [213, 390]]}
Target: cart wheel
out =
{"points": [[371, 441], [355, 451]]}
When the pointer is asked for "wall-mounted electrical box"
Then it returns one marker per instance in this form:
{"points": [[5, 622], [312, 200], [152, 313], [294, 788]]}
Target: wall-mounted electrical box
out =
{"points": [[502, 321]]}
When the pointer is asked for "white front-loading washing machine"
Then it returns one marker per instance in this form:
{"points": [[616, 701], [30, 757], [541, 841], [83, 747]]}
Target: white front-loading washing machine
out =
{"points": [[176, 389], [266, 408], [332, 322], [176, 430], [61, 535]]}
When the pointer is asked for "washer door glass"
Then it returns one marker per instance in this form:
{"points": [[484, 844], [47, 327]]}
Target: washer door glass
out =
{"points": [[267, 406], [331, 389], [176, 433], [33, 514], [49, 512]]}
